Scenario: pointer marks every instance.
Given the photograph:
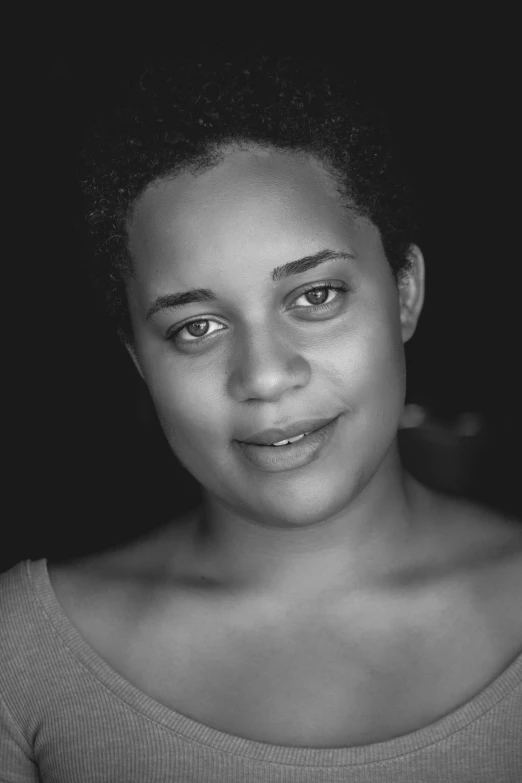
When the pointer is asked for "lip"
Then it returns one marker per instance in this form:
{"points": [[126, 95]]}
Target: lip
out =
{"points": [[267, 437], [276, 459]]}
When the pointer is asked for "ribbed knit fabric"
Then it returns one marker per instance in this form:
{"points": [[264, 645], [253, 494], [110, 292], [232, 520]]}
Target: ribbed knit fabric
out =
{"points": [[67, 717]]}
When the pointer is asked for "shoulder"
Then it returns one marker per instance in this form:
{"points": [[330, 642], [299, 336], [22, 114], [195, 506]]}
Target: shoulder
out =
{"points": [[489, 548], [124, 571], [26, 636], [16, 597], [492, 534], [460, 535], [470, 543], [483, 538]]}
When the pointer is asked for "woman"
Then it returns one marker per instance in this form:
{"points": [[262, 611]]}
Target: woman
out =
{"points": [[321, 615]]}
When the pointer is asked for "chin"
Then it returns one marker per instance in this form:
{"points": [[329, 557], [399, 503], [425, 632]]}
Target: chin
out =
{"points": [[303, 506]]}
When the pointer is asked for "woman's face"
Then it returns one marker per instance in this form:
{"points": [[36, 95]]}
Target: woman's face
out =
{"points": [[258, 355]]}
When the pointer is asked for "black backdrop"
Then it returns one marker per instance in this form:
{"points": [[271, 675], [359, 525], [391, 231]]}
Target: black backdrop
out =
{"points": [[87, 461]]}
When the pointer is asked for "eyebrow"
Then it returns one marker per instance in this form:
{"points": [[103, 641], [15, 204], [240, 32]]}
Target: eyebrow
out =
{"points": [[171, 301]]}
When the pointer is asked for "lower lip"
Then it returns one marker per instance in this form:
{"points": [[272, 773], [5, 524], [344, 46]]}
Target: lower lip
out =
{"points": [[295, 455]]}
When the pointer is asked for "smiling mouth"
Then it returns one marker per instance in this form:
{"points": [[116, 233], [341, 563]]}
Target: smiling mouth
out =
{"points": [[287, 434], [290, 453]]}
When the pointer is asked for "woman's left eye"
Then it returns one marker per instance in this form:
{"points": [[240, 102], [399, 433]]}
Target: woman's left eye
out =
{"points": [[324, 291]]}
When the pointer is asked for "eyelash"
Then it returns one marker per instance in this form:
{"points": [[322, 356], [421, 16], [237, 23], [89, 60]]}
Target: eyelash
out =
{"points": [[342, 289]]}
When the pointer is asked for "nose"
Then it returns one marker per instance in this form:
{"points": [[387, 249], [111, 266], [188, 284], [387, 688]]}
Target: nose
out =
{"points": [[265, 366]]}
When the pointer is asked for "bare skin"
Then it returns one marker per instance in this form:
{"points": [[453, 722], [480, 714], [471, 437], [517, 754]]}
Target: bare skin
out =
{"points": [[333, 605], [333, 670]]}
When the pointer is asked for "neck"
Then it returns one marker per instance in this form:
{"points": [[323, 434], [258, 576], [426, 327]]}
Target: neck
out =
{"points": [[360, 547]]}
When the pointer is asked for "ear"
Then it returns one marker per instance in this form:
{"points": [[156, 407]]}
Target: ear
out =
{"points": [[411, 294], [132, 353]]}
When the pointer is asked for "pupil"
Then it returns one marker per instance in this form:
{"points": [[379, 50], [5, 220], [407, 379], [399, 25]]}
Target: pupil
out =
{"points": [[319, 293], [197, 325]]}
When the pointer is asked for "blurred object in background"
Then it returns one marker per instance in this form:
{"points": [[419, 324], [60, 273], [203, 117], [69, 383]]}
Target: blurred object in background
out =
{"points": [[413, 416], [443, 456]]}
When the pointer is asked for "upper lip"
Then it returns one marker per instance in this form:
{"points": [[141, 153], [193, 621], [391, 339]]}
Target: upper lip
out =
{"points": [[266, 437]]}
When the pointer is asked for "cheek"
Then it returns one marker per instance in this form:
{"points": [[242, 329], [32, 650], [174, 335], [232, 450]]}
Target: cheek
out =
{"points": [[373, 383], [186, 406], [388, 389], [374, 372]]}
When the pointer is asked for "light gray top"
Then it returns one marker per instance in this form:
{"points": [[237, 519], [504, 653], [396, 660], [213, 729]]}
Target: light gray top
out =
{"points": [[66, 716]]}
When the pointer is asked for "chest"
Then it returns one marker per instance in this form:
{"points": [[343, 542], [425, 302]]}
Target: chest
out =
{"points": [[318, 679]]}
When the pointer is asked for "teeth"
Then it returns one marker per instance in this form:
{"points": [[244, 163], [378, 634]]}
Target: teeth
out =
{"points": [[297, 437], [290, 440]]}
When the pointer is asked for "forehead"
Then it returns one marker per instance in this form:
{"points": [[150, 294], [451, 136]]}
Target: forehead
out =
{"points": [[253, 199]]}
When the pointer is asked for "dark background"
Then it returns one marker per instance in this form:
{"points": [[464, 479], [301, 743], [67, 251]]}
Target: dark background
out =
{"points": [[88, 464]]}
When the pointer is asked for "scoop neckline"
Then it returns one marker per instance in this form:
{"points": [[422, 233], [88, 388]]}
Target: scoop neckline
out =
{"points": [[502, 686]]}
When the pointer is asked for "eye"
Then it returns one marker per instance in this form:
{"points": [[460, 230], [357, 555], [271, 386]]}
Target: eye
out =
{"points": [[202, 333], [199, 332], [325, 288]]}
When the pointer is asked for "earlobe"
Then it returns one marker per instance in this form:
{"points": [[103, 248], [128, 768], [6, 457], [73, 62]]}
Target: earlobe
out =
{"points": [[412, 294]]}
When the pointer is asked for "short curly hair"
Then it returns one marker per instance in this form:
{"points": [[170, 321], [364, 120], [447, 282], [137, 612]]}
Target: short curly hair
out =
{"points": [[180, 115]]}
